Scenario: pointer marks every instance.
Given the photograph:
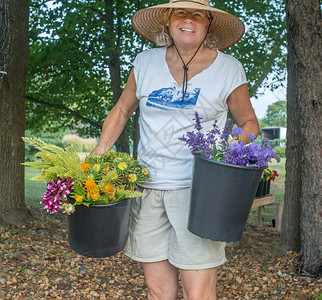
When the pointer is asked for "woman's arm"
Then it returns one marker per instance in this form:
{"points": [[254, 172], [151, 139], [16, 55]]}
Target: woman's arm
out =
{"points": [[242, 111], [117, 118]]}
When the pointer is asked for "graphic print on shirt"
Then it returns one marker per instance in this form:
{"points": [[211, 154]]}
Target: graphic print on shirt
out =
{"points": [[170, 98]]}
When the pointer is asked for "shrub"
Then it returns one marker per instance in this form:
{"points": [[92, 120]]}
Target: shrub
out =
{"points": [[280, 151], [80, 144]]}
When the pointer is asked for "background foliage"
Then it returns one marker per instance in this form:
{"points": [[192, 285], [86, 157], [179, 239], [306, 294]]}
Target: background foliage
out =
{"points": [[76, 47]]}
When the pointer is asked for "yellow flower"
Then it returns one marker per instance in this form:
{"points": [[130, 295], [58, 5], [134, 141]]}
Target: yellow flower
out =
{"points": [[96, 167], [145, 171], [115, 177], [109, 189], [122, 165], [92, 189], [112, 151], [132, 177], [120, 188], [85, 166], [79, 198]]}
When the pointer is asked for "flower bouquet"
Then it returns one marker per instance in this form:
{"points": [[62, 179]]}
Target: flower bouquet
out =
{"points": [[225, 179], [95, 194], [265, 183]]}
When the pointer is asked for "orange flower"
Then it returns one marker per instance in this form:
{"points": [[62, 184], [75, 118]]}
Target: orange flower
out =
{"points": [[85, 166], [109, 189], [79, 198], [92, 189]]}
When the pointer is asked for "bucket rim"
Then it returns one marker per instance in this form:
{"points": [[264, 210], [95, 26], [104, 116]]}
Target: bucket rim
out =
{"points": [[105, 204], [197, 155], [109, 204]]}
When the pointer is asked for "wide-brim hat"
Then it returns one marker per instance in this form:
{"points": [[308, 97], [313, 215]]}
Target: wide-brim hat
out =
{"points": [[226, 29]]}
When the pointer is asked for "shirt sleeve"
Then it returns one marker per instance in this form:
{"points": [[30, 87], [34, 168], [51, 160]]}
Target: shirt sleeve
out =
{"points": [[136, 64]]}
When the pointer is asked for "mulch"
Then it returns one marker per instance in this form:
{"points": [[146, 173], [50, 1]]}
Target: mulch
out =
{"points": [[36, 262]]}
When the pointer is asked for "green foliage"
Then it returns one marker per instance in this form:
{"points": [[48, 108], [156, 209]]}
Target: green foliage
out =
{"points": [[262, 50], [276, 114], [73, 47], [47, 137], [280, 151], [55, 162]]}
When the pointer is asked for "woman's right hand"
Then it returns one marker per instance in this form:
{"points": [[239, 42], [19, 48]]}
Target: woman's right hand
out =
{"points": [[99, 149]]}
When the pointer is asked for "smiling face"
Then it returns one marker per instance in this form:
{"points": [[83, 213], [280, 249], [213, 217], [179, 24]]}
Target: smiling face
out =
{"points": [[188, 27]]}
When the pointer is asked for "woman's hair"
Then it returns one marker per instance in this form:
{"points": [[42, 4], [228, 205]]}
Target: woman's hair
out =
{"points": [[162, 37]]}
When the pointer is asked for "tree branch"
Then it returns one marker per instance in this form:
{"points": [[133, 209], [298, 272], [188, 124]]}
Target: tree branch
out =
{"points": [[39, 4], [257, 84], [66, 109]]}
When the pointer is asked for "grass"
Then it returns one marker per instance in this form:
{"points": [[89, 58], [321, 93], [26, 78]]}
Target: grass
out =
{"points": [[277, 186], [33, 189]]}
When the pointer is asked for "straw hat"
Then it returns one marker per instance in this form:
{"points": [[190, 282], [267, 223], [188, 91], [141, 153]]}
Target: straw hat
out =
{"points": [[226, 29]]}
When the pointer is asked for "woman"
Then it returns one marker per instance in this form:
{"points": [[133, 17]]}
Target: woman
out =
{"points": [[170, 83]]}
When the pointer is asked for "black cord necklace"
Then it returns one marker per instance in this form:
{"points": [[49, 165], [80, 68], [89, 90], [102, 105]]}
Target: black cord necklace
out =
{"points": [[185, 65], [185, 70]]}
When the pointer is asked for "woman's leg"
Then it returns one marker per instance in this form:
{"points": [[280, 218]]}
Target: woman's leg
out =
{"points": [[199, 284], [162, 280]]}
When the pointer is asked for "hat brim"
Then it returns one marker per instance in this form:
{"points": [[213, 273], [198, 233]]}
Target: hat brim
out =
{"points": [[226, 28]]}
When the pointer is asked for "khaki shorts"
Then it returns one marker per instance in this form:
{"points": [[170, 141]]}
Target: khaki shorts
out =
{"points": [[158, 231]]}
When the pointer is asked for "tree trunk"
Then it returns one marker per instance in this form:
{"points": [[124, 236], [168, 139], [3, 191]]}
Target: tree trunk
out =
{"points": [[112, 42], [13, 209], [304, 157]]}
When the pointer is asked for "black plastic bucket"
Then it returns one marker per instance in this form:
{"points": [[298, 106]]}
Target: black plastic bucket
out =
{"points": [[263, 189], [99, 230], [221, 199]]}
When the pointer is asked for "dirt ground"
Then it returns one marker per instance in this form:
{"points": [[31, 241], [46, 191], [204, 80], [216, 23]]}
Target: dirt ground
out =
{"points": [[36, 262]]}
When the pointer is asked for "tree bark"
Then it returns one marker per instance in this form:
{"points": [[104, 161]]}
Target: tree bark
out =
{"points": [[303, 202], [13, 209], [114, 64]]}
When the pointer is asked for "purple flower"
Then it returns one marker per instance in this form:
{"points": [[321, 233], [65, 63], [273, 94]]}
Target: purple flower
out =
{"points": [[198, 121], [56, 192], [237, 131], [226, 132], [251, 137], [214, 145]]}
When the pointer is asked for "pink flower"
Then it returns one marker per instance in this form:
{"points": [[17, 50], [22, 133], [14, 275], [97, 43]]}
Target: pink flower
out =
{"points": [[56, 192]]}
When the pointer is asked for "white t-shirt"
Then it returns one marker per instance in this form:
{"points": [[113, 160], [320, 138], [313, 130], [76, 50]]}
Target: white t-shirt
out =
{"points": [[164, 119]]}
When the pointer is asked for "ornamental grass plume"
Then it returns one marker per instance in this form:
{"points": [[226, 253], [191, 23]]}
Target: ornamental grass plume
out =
{"points": [[100, 179], [214, 144]]}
